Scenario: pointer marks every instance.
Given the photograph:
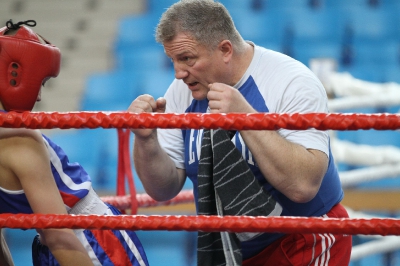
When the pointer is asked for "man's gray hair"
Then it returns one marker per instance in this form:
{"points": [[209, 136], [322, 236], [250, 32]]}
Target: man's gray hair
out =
{"points": [[207, 21]]}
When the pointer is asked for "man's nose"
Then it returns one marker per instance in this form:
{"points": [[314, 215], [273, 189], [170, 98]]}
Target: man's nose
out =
{"points": [[180, 71]]}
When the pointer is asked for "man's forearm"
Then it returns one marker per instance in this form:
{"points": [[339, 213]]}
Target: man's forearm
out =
{"points": [[155, 169], [290, 168]]}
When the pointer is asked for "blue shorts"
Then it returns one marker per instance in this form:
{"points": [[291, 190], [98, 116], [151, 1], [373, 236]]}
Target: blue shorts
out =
{"points": [[105, 247]]}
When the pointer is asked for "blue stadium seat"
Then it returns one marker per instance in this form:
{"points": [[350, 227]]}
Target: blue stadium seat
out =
{"points": [[315, 25], [96, 150], [315, 33], [141, 58], [169, 247], [259, 27], [379, 137], [20, 244], [391, 109], [245, 5], [136, 30], [279, 4], [110, 91], [348, 135], [385, 183], [275, 46], [367, 72], [304, 52], [155, 83], [392, 73], [371, 23], [345, 3], [79, 145], [392, 4], [382, 52], [157, 7]]}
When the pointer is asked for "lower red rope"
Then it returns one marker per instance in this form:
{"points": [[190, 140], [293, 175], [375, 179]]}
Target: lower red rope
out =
{"points": [[144, 200], [373, 226]]}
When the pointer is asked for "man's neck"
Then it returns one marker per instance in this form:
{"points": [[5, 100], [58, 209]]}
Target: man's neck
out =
{"points": [[243, 61]]}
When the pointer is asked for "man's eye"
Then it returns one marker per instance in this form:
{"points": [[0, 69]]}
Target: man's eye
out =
{"points": [[189, 60]]}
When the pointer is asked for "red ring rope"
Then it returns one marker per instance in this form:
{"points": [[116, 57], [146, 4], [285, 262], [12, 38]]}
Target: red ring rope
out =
{"points": [[374, 226], [144, 200], [237, 121]]}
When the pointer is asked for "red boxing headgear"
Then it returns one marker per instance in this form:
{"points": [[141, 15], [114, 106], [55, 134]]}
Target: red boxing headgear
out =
{"points": [[25, 63]]}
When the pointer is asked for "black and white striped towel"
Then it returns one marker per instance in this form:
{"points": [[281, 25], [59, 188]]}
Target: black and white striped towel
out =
{"points": [[227, 187]]}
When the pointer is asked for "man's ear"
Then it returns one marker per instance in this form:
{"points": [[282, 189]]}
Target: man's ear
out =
{"points": [[226, 48]]}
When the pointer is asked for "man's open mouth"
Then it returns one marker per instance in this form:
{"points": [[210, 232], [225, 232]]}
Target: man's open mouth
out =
{"points": [[193, 84]]}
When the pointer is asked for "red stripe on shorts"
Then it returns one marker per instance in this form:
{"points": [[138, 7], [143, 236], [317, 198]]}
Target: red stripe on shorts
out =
{"points": [[115, 251]]}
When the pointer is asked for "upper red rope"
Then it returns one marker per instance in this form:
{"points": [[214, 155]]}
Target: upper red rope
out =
{"points": [[236, 121]]}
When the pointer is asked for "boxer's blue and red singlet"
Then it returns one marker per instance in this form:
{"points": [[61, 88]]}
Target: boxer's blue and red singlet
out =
{"points": [[105, 247]]}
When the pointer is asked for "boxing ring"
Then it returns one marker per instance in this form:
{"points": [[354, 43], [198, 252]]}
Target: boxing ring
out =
{"points": [[386, 230]]}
